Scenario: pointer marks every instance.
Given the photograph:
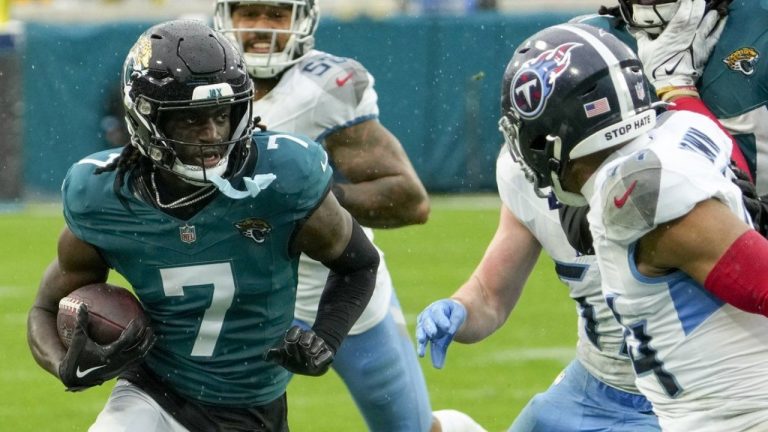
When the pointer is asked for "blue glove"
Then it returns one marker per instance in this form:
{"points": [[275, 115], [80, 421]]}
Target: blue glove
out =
{"points": [[438, 323]]}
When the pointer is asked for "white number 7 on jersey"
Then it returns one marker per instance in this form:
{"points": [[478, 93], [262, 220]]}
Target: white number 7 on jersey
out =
{"points": [[220, 277]]}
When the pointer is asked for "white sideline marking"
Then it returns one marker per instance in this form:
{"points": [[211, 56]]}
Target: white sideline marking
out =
{"points": [[470, 201], [562, 354], [11, 291]]}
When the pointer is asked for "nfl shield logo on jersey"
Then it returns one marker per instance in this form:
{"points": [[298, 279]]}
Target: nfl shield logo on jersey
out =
{"points": [[187, 234]]}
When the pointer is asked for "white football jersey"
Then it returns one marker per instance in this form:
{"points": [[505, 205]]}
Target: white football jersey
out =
{"points": [[702, 363], [316, 97], [600, 347]]}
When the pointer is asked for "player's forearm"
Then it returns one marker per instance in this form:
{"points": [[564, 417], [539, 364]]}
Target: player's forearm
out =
{"points": [[43, 339], [386, 202], [348, 289], [739, 277], [485, 314], [494, 288]]}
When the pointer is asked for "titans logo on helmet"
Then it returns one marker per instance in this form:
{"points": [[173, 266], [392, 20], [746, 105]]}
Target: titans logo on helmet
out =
{"points": [[535, 81]]}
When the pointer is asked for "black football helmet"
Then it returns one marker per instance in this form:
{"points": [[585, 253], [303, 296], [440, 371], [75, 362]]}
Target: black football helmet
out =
{"points": [[569, 91], [180, 65], [304, 19]]}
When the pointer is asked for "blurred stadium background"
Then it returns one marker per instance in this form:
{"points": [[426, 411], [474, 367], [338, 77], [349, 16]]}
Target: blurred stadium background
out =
{"points": [[438, 65]]}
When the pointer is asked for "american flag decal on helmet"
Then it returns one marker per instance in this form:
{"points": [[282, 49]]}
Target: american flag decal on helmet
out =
{"points": [[595, 108]]}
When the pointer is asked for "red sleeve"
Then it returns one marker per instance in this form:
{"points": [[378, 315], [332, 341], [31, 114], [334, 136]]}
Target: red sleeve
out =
{"points": [[688, 103], [740, 276]]}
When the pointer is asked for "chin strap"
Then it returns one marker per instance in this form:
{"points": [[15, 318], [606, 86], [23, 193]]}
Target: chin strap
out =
{"points": [[253, 185]]}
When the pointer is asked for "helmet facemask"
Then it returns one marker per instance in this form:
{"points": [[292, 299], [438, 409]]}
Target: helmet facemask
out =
{"points": [[649, 15], [509, 128], [548, 151], [304, 16], [184, 68], [167, 153]]}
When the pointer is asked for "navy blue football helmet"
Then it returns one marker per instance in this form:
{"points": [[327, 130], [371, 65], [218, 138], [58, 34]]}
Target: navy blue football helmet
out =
{"points": [[570, 91]]}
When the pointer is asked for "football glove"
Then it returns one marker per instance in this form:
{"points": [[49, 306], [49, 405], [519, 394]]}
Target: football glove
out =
{"points": [[756, 206], [438, 324], [677, 57], [87, 364], [302, 352]]}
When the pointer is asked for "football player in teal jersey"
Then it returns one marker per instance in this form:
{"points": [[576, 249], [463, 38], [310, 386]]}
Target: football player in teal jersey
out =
{"points": [[206, 221]]}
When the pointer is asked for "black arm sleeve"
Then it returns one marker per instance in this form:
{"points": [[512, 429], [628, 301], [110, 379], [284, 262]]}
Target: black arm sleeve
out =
{"points": [[576, 227], [348, 289]]}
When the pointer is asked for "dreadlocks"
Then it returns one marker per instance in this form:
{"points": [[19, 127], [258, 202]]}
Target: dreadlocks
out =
{"points": [[129, 159], [615, 12]]}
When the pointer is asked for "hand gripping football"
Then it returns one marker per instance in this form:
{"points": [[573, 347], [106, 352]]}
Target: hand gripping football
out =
{"points": [[110, 310]]}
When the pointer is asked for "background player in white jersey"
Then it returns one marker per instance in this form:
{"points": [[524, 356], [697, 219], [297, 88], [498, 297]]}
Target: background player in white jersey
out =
{"points": [[683, 271], [206, 221], [596, 392], [332, 100]]}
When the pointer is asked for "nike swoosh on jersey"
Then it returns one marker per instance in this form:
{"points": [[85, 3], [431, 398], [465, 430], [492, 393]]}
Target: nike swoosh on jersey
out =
{"points": [[341, 81], [81, 374], [620, 201]]}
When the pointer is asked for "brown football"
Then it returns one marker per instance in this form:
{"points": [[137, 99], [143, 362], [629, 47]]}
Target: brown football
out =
{"points": [[110, 309]]}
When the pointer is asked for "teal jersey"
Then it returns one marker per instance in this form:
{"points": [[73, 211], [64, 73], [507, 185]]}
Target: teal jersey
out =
{"points": [[735, 79], [220, 287], [609, 24], [734, 85]]}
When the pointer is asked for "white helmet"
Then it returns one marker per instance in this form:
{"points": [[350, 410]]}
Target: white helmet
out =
{"points": [[304, 19]]}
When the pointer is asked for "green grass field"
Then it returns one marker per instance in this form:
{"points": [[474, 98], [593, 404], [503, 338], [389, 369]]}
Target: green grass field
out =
{"points": [[491, 380]]}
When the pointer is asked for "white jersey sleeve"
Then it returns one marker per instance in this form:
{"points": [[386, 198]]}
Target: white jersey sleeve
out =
{"points": [[319, 95], [686, 163]]}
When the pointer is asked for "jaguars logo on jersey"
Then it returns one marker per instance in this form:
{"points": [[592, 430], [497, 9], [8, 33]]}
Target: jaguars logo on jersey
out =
{"points": [[743, 60], [254, 229]]}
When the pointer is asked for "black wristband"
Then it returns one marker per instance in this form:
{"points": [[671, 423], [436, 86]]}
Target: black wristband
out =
{"points": [[348, 289]]}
